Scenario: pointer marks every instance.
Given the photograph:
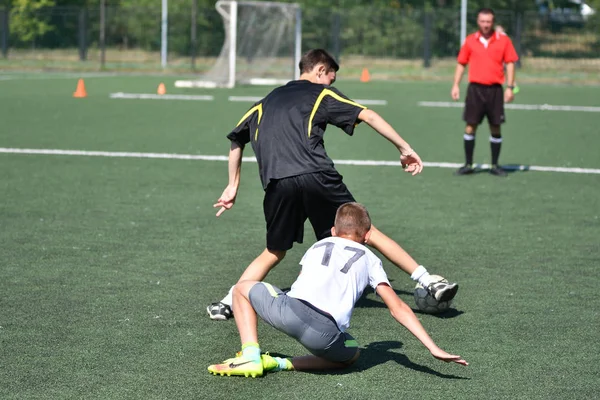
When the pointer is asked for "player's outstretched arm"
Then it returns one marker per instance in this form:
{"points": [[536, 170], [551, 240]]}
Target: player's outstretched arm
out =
{"points": [[405, 316], [227, 199], [411, 162]]}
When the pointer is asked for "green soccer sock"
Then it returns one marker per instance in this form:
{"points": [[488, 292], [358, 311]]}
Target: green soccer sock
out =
{"points": [[251, 351], [285, 364]]}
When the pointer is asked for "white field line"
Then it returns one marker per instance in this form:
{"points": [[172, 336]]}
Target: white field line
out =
{"points": [[172, 156], [367, 102], [535, 107], [146, 96], [244, 98]]}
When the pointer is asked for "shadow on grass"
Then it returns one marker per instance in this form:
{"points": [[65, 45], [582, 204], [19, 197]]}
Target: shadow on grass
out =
{"points": [[512, 168], [449, 313], [508, 168], [365, 302], [377, 353]]}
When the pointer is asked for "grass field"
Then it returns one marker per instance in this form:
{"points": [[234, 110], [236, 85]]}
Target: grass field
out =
{"points": [[107, 264]]}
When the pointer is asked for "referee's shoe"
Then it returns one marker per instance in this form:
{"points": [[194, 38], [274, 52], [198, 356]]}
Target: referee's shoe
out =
{"points": [[466, 169]]}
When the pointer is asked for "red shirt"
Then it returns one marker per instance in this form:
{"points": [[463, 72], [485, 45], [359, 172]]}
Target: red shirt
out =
{"points": [[486, 63]]}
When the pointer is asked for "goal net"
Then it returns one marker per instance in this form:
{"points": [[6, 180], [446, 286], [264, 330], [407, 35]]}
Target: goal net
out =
{"points": [[262, 45]]}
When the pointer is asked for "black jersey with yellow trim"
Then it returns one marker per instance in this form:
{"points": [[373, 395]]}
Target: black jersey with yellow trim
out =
{"points": [[286, 128]]}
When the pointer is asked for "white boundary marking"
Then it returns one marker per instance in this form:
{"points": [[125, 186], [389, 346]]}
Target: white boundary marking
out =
{"points": [[535, 107], [371, 102], [146, 96], [244, 98], [360, 101], [172, 156]]}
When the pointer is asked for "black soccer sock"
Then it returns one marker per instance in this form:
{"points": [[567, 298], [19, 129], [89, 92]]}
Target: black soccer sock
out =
{"points": [[469, 148], [495, 144]]}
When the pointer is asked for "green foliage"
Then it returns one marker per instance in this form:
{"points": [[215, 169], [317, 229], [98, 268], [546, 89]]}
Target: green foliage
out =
{"points": [[383, 28], [26, 24]]}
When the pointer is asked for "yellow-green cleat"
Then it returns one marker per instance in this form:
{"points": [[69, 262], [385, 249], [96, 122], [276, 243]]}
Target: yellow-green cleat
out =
{"points": [[269, 363], [238, 366], [274, 364]]}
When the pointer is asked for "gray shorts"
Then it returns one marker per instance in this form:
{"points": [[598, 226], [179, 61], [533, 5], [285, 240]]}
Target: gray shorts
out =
{"points": [[315, 330]]}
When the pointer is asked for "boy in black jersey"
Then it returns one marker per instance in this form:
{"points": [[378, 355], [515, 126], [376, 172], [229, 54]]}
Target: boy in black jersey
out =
{"points": [[286, 131]]}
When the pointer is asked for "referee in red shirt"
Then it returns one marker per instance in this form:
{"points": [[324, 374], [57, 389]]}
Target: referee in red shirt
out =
{"points": [[486, 51]]}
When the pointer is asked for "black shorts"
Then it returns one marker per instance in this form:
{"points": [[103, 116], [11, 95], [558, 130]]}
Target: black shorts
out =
{"points": [[290, 201], [484, 101]]}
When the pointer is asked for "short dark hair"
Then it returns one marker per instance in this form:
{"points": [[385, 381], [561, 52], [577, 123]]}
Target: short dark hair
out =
{"points": [[313, 57], [486, 10], [352, 219]]}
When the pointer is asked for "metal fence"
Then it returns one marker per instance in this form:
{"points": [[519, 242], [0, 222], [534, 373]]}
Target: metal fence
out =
{"points": [[70, 36]]}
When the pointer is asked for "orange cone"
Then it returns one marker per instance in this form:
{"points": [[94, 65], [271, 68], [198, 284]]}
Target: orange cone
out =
{"points": [[80, 91], [161, 89], [365, 76]]}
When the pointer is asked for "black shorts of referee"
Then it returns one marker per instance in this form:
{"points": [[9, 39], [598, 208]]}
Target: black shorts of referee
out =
{"points": [[484, 101], [289, 202]]}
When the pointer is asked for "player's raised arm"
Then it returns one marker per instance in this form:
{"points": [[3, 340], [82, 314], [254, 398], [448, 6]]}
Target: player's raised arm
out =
{"points": [[405, 316], [227, 199], [410, 160]]}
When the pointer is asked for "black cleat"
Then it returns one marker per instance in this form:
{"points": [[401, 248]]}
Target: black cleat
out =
{"points": [[442, 291], [219, 311], [466, 169], [498, 171]]}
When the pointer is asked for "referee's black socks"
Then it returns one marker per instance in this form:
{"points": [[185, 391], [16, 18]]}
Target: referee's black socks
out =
{"points": [[495, 144], [469, 148]]}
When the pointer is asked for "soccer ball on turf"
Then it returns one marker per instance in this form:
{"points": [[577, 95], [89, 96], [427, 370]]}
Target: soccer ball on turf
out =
{"points": [[426, 302]]}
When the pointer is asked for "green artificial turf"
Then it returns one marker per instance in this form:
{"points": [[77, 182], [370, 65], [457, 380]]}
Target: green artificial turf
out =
{"points": [[107, 264]]}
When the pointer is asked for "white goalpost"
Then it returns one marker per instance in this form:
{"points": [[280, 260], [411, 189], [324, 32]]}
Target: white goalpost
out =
{"points": [[262, 45]]}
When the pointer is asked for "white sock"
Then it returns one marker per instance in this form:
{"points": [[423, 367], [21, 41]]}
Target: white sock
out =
{"points": [[229, 298], [422, 276]]}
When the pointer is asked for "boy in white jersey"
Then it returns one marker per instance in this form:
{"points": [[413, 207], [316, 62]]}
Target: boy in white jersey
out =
{"points": [[317, 309]]}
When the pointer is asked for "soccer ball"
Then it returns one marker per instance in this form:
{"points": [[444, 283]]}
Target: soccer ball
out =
{"points": [[426, 302]]}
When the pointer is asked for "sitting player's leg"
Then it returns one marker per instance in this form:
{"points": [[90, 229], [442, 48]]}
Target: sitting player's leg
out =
{"points": [[248, 362], [314, 363], [399, 257], [340, 354]]}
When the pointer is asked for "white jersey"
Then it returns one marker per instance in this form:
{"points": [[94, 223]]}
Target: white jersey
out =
{"points": [[335, 272]]}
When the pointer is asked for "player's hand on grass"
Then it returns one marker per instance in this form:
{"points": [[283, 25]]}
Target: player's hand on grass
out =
{"points": [[455, 92], [411, 162], [509, 95], [227, 200], [446, 357]]}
